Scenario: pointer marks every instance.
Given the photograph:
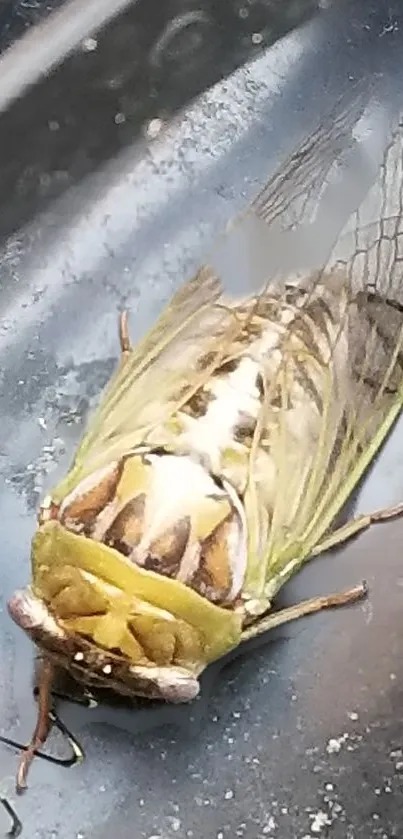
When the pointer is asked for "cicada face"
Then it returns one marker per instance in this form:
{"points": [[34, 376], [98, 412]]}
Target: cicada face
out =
{"points": [[135, 574]]}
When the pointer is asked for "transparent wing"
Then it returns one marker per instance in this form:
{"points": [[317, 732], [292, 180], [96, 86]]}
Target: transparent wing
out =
{"points": [[157, 375], [370, 247], [196, 330], [292, 224], [292, 196], [313, 485]]}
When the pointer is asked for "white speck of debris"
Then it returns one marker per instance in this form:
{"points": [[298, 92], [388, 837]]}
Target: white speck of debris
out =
{"points": [[335, 743], [153, 128], [53, 125], [329, 787], [79, 657], [257, 38], [284, 811], [319, 821], [107, 669], [89, 44], [220, 835], [176, 824], [399, 765], [392, 677], [270, 826], [243, 13], [42, 423], [229, 794], [352, 715], [119, 118]]}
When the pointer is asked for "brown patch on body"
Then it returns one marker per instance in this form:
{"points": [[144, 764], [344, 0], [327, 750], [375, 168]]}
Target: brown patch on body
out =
{"points": [[228, 367], [245, 428], [252, 331], [260, 385], [198, 403], [126, 530], [213, 578], [294, 295], [165, 553], [83, 510], [207, 360]]}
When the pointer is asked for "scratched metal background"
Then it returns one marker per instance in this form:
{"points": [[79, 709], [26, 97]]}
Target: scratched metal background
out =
{"points": [[306, 731]]}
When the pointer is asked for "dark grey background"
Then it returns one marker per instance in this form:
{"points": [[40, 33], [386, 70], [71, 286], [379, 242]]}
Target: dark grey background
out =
{"points": [[149, 61], [94, 216]]}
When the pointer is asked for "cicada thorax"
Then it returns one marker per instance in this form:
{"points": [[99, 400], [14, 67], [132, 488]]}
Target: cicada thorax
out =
{"points": [[166, 514], [159, 512]]}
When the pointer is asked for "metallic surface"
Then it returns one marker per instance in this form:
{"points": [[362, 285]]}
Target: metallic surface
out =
{"points": [[303, 736], [150, 61]]}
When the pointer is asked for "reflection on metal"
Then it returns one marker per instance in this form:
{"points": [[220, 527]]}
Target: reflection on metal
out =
{"points": [[179, 34], [183, 35], [47, 44]]}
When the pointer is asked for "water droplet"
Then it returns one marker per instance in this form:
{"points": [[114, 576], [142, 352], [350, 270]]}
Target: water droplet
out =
{"points": [[257, 38]]}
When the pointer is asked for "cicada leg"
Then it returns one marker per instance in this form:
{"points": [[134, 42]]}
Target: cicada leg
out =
{"points": [[46, 719], [355, 526], [306, 607], [43, 723], [124, 338], [316, 604]]}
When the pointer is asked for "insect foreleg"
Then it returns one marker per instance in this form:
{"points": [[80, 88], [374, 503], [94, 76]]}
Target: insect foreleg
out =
{"points": [[43, 724]]}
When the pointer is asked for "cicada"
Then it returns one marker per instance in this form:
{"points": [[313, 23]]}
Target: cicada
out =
{"points": [[222, 451]]}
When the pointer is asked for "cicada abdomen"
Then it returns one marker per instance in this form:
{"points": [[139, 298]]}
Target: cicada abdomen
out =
{"points": [[221, 454]]}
